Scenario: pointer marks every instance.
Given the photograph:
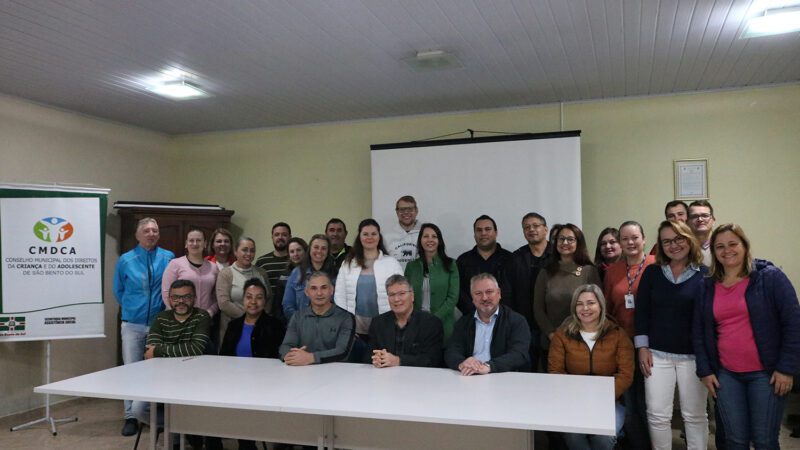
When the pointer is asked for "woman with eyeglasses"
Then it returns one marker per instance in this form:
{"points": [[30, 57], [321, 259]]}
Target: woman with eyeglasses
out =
{"points": [[434, 277], [569, 267], [608, 251], [667, 295], [746, 337], [230, 283], [589, 343], [620, 287]]}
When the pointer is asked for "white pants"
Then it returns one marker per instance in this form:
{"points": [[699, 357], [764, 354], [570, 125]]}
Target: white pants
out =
{"points": [[659, 390]]}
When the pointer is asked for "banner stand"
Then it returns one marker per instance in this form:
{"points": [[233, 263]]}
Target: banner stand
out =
{"points": [[47, 418]]}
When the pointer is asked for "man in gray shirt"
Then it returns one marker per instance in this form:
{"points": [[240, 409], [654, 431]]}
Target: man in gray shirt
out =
{"points": [[321, 332]]}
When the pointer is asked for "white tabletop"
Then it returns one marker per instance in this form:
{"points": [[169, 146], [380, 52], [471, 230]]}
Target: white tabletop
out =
{"points": [[507, 400]]}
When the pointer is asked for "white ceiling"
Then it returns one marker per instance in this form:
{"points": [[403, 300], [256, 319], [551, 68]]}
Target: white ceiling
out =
{"points": [[273, 63]]}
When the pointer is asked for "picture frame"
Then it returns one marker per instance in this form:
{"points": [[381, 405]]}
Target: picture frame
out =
{"points": [[691, 179]]}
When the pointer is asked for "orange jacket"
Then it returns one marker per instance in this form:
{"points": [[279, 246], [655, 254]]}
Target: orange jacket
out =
{"points": [[612, 355]]}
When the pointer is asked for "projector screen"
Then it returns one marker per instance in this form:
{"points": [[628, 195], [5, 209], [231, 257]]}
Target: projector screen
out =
{"points": [[455, 181]]}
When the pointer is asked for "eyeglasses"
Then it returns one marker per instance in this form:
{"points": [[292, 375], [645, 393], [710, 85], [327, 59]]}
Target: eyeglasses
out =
{"points": [[397, 294], [406, 209], [566, 240], [677, 240], [703, 216], [184, 297]]}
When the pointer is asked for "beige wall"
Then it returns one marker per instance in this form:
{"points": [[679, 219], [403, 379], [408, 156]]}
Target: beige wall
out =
{"points": [[43, 145], [305, 175]]}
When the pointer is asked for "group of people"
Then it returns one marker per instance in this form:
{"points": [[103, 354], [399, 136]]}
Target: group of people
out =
{"points": [[697, 312]]}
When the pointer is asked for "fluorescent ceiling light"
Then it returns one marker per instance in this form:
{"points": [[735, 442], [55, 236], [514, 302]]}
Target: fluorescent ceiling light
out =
{"points": [[433, 60], [178, 90], [774, 21]]}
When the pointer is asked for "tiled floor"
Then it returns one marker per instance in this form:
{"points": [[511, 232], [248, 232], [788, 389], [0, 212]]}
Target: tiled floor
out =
{"points": [[100, 422]]}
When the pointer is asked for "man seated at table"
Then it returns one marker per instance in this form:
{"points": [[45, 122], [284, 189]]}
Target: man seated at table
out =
{"points": [[182, 331], [321, 332], [493, 339], [402, 336]]}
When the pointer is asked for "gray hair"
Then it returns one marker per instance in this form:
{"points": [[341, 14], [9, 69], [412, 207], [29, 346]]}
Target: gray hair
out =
{"points": [[142, 222], [397, 279], [483, 276]]}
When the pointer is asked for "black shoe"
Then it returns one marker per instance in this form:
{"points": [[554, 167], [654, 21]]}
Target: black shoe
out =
{"points": [[130, 428]]}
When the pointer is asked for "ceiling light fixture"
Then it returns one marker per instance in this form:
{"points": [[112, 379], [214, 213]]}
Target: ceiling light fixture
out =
{"points": [[179, 89], [773, 21], [433, 60]]}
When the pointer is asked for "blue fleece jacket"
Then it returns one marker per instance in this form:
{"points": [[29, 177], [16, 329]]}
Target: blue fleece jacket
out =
{"points": [[137, 283], [774, 315]]}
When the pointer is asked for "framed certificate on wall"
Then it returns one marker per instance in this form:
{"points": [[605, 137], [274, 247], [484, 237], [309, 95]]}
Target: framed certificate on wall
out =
{"points": [[691, 179]]}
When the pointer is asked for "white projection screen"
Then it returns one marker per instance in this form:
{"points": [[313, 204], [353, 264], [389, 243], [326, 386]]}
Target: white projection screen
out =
{"points": [[455, 181]]}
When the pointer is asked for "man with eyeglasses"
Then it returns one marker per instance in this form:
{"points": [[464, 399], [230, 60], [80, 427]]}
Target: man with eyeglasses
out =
{"points": [[701, 221], [180, 332], [491, 340], [401, 237], [403, 336], [528, 260]]}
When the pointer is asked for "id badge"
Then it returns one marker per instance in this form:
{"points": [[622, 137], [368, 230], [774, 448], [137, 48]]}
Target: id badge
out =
{"points": [[629, 301]]}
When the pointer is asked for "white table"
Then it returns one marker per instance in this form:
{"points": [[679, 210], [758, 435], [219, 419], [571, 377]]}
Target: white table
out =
{"points": [[354, 405]]}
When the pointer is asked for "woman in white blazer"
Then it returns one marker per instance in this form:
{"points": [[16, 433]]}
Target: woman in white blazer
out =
{"points": [[360, 285]]}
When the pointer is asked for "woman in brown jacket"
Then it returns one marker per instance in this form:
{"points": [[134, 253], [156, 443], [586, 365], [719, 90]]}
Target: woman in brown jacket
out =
{"points": [[589, 343]]}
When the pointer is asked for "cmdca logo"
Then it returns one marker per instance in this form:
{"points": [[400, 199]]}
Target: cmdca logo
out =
{"points": [[53, 229]]}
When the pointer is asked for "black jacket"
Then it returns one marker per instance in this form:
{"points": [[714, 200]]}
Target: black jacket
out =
{"points": [[523, 278], [470, 263], [511, 338], [264, 342], [422, 339]]}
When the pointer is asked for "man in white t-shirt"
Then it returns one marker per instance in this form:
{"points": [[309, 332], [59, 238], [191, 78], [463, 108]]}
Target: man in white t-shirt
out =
{"points": [[401, 237]]}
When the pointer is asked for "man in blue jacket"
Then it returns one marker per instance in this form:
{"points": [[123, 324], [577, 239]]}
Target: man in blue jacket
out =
{"points": [[137, 287]]}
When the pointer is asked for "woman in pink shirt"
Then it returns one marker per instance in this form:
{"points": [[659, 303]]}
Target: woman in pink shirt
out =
{"points": [[194, 268], [746, 337]]}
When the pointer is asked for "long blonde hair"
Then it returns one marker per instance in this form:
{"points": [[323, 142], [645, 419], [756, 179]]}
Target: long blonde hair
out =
{"points": [[572, 324]]}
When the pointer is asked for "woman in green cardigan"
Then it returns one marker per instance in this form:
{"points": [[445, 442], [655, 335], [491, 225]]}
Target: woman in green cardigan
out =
{"points": [[434, 277]]}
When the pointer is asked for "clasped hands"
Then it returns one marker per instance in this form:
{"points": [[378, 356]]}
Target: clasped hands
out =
{"points": [[472, 366], [299, 357], [382, 358]]}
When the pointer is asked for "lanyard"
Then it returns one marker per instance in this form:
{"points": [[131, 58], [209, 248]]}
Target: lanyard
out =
{"points": [[628, 274]]}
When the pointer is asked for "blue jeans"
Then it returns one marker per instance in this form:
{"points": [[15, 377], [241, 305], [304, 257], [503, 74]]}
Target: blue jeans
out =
{"points": [[577, 441], [749, 409], [134, 337]]}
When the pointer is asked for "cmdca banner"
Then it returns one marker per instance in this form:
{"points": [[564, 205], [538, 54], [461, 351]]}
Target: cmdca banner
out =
{"points": [[51, 248]]}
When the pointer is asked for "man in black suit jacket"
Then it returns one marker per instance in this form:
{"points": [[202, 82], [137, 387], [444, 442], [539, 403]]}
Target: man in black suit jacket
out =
{"points": [[402, 336]]}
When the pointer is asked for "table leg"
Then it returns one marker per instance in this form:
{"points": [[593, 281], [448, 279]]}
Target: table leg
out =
{"points": [[328, 434], [153, 425], [167, 435]]}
